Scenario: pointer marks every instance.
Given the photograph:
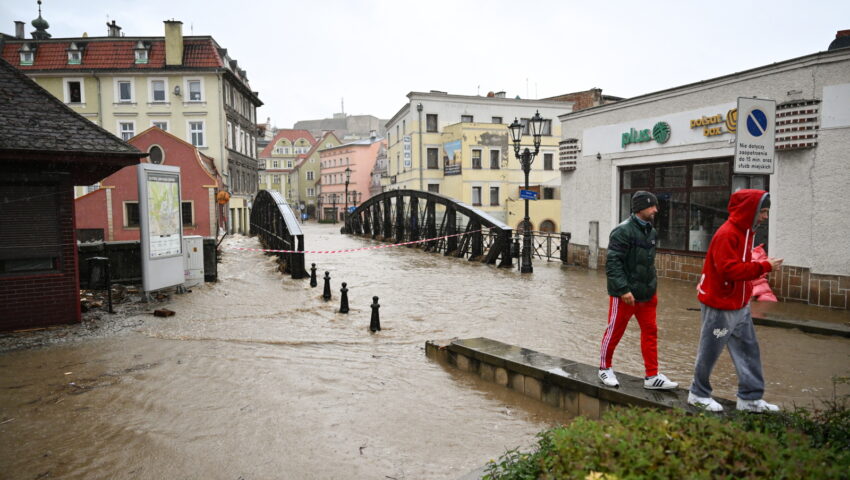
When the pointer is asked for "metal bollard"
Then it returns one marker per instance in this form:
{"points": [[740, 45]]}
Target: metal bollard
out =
{"points": [[327, 293], [375, 324], [565, 245], [343, 303], [313, 282]]}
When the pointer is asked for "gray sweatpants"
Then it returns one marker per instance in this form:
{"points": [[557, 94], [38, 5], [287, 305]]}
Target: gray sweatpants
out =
{"points": [[735, 329]]}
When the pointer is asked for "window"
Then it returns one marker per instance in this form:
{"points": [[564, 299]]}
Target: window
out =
{"points": [[404, 127], [156, 155], [36, 205], [141, 56], [494, 196], [158, 89], [692, 199], [476, 196], [311, 192], [275, 163], [547, 127], [310, 175], [161, 124], [496, 120], [75, 57], [476, 159], [74, 92], [466, 118], [289, 164], [126, 130], [495, 159], [131, 214], [547, 226], [547, 161], [27, 57], [276, 179], [196, 133], [433, 158], [186, 213], [124, 91], [434, 187], [430, 122], [548, 193], [195, 91]]}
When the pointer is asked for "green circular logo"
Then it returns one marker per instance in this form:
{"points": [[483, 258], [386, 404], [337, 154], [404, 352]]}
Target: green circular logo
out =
{"points": [[661, 132]]}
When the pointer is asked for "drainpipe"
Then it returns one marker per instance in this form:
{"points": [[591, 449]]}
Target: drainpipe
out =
{"points": [[99, 109], [419, 111]]}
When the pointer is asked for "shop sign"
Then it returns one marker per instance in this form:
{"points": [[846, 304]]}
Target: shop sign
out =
{"points": [[714, 124], [660, 132]]}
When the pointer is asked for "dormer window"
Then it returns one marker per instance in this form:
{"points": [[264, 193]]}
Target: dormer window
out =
{"points": [[75, 54], [27, 55], [141, 51]]}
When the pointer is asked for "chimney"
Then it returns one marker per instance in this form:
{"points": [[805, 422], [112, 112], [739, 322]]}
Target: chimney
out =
{"points": [[114, 29], [19, 29], [173, 43], [842, 40]]}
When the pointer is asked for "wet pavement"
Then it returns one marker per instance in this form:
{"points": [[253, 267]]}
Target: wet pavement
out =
{"points": [[256, 377]]}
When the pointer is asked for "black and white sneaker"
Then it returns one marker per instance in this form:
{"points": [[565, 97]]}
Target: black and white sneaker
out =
{"points": [[659, 382], [608, 378]]}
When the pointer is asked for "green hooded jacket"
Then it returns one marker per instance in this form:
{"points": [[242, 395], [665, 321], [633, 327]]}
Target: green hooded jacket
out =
{"points": [[630, 264]]}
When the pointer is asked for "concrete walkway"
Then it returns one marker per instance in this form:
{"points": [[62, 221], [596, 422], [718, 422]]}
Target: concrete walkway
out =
{"points": [[804, 317]]}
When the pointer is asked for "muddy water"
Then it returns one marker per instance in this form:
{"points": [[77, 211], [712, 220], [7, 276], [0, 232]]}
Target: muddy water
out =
{"points": [[256, 377]]}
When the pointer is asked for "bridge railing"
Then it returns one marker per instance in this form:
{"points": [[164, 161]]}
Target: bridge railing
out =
{"points": [[459, 229], [276, 225], [548, 245]]}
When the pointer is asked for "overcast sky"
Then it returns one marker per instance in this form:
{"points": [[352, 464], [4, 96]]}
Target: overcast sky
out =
{"points": [[304, 57]]}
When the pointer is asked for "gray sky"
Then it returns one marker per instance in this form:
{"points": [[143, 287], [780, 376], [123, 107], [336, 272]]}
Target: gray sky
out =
{"points": [[303, 57]]}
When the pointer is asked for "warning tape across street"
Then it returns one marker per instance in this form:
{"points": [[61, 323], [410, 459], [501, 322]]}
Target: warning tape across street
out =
{"points": [[349, 250]]}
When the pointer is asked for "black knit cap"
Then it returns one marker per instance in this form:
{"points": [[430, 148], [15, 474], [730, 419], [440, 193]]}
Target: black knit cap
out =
{"points": [[642, 200]]}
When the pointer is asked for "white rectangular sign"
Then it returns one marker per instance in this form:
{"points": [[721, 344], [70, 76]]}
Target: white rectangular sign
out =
{"points": [[754, 145], [161, 226]]}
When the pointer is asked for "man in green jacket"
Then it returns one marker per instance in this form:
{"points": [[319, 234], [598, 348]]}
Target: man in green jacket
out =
{"points": [[630, 267]]}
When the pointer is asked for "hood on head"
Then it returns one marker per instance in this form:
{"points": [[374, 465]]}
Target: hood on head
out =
{"points": [[744, 207]]}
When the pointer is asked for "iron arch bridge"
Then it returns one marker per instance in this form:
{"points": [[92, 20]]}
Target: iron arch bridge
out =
{"points": [[274, 222], [413, 215]]}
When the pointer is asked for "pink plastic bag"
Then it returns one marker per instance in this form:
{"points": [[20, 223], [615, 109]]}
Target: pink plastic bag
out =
{"points": [[761, 289]]}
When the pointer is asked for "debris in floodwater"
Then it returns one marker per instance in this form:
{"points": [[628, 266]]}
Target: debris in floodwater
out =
{"points": [[163, 312]]}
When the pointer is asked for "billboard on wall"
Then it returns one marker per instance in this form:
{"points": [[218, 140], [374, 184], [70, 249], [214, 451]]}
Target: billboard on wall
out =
{"points": [[754, 146], [161, 226]]}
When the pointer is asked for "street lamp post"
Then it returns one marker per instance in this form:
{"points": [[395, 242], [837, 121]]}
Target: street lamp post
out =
{"points": [[345, 215], [526, 158], [333, 195]]}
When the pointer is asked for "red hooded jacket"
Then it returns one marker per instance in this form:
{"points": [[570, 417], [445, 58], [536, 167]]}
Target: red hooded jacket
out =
{"points": [[728, 270]]}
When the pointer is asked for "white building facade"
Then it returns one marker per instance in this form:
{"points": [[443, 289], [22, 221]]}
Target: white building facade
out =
{"points": [[680, 143]]}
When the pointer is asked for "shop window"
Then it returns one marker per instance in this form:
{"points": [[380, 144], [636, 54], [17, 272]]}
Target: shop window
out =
{"points": [[38, 203], [692, 199]]}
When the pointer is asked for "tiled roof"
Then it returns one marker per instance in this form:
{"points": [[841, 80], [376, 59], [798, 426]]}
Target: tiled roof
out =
{"points": [[32, 119], [289, 134], [112, 53]]}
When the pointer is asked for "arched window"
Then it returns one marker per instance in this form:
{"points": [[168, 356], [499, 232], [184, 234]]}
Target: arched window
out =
{"points": [[547, 226], [520, 225], [156, 155]]}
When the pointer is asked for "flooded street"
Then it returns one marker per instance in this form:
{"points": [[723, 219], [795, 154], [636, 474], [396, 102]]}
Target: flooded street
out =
{"points": [[256, 377]]}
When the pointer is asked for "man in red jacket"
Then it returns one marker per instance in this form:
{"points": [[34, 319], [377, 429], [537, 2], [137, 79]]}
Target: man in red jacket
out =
{"points": [[724, 290]]}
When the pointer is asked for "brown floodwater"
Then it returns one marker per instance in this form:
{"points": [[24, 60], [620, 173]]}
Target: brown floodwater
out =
{"points": [[256, 377]]}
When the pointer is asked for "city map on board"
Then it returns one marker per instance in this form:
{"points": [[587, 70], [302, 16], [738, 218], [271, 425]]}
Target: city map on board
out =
{"points": [[164, 214]]}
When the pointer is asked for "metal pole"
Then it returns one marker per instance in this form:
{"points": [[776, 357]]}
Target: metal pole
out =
{"points": [[525, 262], [345, 210]]}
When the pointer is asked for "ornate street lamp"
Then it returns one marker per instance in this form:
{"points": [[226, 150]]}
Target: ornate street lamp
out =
{"points": [[347, 179], [526, 158]]}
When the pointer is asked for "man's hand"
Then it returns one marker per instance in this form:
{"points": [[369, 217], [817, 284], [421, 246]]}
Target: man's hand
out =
{"points": [[775, 263], [630, 299]]}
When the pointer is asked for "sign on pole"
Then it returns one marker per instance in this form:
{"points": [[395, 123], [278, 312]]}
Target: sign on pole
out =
{"points": [[161, 226], [528, 194], [754, 149]]}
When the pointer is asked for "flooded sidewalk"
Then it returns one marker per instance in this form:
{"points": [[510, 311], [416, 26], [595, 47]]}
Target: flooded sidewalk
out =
{"points": [[256, 377]]}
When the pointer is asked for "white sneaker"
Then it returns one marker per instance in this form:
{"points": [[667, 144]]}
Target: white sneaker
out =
{"points": [[757, 406], [659, 382], [706, 403], [608, 378]]}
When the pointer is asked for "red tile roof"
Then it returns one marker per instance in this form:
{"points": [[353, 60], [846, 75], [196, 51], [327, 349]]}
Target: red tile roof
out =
{"points": [[113, 53]]}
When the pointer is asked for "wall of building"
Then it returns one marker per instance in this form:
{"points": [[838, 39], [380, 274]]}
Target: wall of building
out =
{"points": [[806, 228]]}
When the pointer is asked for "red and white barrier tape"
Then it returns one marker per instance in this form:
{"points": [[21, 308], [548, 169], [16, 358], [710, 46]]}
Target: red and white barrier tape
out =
{"points": [[348, 250]]}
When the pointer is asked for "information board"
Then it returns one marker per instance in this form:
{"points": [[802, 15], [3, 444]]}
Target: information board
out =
{"points": [[754, 145], [160, 226]]}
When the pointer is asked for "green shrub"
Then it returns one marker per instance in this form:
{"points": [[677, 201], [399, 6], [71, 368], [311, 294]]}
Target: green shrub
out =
{"points": [[643, 443]]}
